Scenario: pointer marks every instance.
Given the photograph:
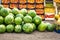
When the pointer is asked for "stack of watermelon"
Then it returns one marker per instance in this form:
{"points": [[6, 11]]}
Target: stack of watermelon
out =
{"points": [[15, 20]]}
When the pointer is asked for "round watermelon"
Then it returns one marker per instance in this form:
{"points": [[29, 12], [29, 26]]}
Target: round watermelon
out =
{"points": [[18, 28], [27, 19], [37, 20], [11, 14], [4, 12], [1, 6], [50, 27], [28, 28], [1, 19], [57, 28], [2, 28], [10, 28], [15, 11], [42, 27], [34, 26], [23, 11], [32, 13], [10, 11], [20, 15], [18, 20], [23, 23], [9, 19]]}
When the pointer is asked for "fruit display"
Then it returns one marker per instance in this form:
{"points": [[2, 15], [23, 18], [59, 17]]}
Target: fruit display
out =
{"points": [[22, 6], [58, 4], [18, 28], [10, 28], [42, 27], [32, 13], [39, 11], [31, 1], [14, 1], [4, 12], [30, 6], [23, 12], [57, 29], [28, 28], [49, 4], [13, 5], [18, 20], [22, 1], [42, 16], [15, 11], [49, 9], [28, 15], [1, 19], [50, 27], [2, 28], [57, 1], [57, 16], [37, 20], [5, 1], [10, 18], [15, 20], [39, 6], [20, 15], [27, 19], [39, 1], [1, 6], [6, 5], [49, 13]]}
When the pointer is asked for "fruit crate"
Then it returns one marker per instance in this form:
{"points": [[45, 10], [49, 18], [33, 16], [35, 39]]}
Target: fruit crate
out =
{"points": [[27, 4]]}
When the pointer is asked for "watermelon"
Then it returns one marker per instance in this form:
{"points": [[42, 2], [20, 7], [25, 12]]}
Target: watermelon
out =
{"points": [[32, 13], [11, 14], [1, 6], [57, 28], [50, 27], [20, 15], [28, 28], [54, 25], [4, 12], [18, 20], [18, 28], [10, 11], [15, 11], [1, 19], [2, 28], [9, 19], [42, 27], [37, 20], [10, 28], [34, 26], [23, 23], [23, 11], [27, 19]]}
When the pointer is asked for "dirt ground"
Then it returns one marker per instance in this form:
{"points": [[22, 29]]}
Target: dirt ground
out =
{"points": [[36, 35]]}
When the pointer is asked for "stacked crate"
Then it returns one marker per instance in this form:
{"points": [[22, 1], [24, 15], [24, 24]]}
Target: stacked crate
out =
{"points": [[49, 10], [40, 8], [37, 5], [57, 6], [5, 3], [10, 3]]}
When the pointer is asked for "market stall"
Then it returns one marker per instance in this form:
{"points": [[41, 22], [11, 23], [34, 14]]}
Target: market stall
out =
{"points": [[27, 17]]}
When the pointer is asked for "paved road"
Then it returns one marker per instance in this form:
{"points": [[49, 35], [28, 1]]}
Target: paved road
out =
{"points": [[34, 36]]}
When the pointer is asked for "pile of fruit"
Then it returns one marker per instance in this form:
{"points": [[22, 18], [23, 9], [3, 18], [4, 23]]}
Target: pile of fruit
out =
{"points": [[14, 20], [57, 17]]}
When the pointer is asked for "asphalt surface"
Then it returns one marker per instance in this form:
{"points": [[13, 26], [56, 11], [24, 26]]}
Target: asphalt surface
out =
{"points": [[36, 35]]}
